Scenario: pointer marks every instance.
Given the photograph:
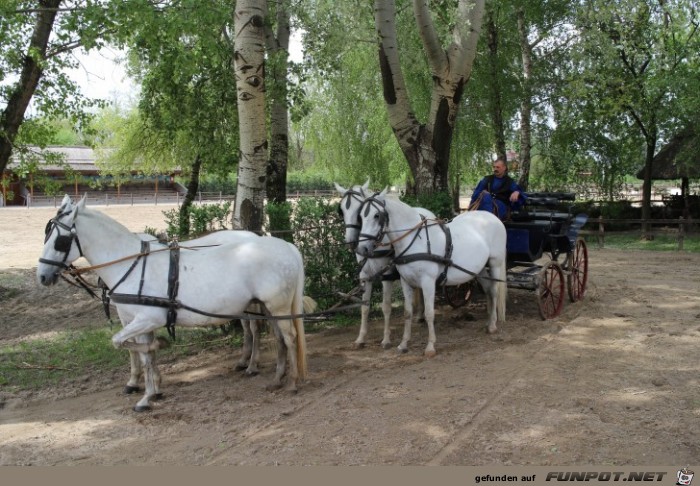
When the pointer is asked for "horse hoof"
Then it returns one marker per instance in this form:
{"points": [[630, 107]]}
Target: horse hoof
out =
{"points": [[128, 390], [273, 387], [386, 345], [158, 396], [430, 354], [142, 408], [358, 345], [240, 366], [402, 350], [251, 373]]}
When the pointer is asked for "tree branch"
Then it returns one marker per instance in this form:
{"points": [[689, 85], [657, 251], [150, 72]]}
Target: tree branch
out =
{"points": [[436, 54]]}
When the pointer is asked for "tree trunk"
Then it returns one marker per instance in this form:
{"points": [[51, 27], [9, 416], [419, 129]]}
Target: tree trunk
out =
{"points": [[427, 146], [32, 70], [499, 130], [192, 188], [526, 104], [249, 61], [646, 187], [278, 47]]}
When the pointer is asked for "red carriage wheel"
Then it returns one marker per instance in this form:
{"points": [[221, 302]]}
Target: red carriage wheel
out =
{"points": [[550, 291], [578, 272]]}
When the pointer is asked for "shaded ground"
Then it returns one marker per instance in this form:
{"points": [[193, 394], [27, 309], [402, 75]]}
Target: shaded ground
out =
{"points": [[614, 380]]}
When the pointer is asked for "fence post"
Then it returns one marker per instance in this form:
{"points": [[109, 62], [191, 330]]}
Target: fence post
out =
{"points": [[681, 233], [601, 232]]}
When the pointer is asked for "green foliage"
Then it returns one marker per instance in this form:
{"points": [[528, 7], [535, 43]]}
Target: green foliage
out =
{"points": [[319, 234], [203, 219], [439, 203], [661, 242], [279, 220], [74, 355]]}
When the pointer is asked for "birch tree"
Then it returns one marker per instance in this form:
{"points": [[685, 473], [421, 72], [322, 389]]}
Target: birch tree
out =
{"points": [[249, 65], [426, 146]]}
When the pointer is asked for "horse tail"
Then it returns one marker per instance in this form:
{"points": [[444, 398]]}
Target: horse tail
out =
{"points": [[297, 310]]}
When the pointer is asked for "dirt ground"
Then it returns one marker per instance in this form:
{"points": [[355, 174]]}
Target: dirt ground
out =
{"points": [[615, 380]]}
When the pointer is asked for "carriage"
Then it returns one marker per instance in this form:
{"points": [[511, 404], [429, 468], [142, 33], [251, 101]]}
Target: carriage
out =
{"points": [[537, 237], [546, 230]]}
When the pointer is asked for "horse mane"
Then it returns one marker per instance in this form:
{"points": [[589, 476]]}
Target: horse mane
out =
{"points": [[104, 220]]}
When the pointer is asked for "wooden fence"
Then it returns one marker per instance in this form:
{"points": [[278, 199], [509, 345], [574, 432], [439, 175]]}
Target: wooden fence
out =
{"points": [[108, 198], [596, 227]]}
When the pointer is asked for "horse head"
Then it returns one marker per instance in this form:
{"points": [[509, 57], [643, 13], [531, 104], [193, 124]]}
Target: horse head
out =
{"points": [[61, 244], [349, 209], [374, 219]]}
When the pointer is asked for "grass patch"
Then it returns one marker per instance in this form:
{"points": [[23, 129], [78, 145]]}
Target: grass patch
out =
{"points": [[633, 241], [71, 355]]}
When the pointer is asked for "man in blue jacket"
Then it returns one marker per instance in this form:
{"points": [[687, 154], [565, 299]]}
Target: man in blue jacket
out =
{"points": [[498, 193]]}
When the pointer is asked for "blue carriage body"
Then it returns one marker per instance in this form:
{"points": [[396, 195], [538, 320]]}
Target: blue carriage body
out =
{"points": [[546, 225]]}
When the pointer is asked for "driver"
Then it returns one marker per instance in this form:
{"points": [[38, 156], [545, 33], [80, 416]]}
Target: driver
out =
{"points": [[498, 193]]}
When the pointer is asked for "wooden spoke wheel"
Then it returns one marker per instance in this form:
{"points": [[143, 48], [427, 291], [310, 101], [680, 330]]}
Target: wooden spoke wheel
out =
{"points": [[550, 292], [458, 295], [577, 277]]}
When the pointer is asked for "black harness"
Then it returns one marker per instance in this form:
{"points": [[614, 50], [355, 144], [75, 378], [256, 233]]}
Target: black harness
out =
{"points": [[403, 258]]}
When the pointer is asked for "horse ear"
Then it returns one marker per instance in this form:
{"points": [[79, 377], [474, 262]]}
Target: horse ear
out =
{"points": [[66, 202], [340, 189], [383, 193], [81, 204], [365, 186]]}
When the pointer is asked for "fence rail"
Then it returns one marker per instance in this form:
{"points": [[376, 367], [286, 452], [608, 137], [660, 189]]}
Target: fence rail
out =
{"points": [[108, 198], [683, 228]]}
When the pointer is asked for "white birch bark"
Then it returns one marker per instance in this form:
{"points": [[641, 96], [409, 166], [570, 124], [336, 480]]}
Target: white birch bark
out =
{"points": [[249, 63]]}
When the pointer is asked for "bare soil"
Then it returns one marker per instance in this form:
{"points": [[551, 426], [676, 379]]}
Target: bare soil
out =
{"points": [[614, 380]]}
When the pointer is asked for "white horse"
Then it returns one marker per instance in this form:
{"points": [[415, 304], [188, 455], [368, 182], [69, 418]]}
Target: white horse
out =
{"points": [[450, 254], [250, 352], [377, 266], [213, 284]]}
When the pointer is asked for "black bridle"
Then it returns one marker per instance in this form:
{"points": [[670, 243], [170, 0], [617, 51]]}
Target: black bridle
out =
{"points": [[372, 201], [62, 243], [349, 195]]}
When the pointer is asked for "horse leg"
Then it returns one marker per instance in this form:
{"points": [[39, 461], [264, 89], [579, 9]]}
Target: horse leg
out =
{"points": [[252, 369], [387, 288], [151, 375], [141, 330], [132, 386], [418, 306], [281, 359], [429, 305], [408, 316], [247, 349], [289, 335], [490, 290], [364, 314], [498, 291]]}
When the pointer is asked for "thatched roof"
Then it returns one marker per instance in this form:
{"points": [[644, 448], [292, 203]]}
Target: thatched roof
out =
{"points": [[678, 159]]}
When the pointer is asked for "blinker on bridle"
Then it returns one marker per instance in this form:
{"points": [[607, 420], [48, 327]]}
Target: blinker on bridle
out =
{"points": [[62, 243]]}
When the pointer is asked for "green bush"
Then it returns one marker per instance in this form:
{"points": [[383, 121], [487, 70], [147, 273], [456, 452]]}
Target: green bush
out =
{"points": [[439, 203], [203, 218], [319, 234]]}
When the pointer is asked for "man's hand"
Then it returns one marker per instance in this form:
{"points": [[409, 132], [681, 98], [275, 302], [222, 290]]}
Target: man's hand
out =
{"points": [[514, 196]]}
